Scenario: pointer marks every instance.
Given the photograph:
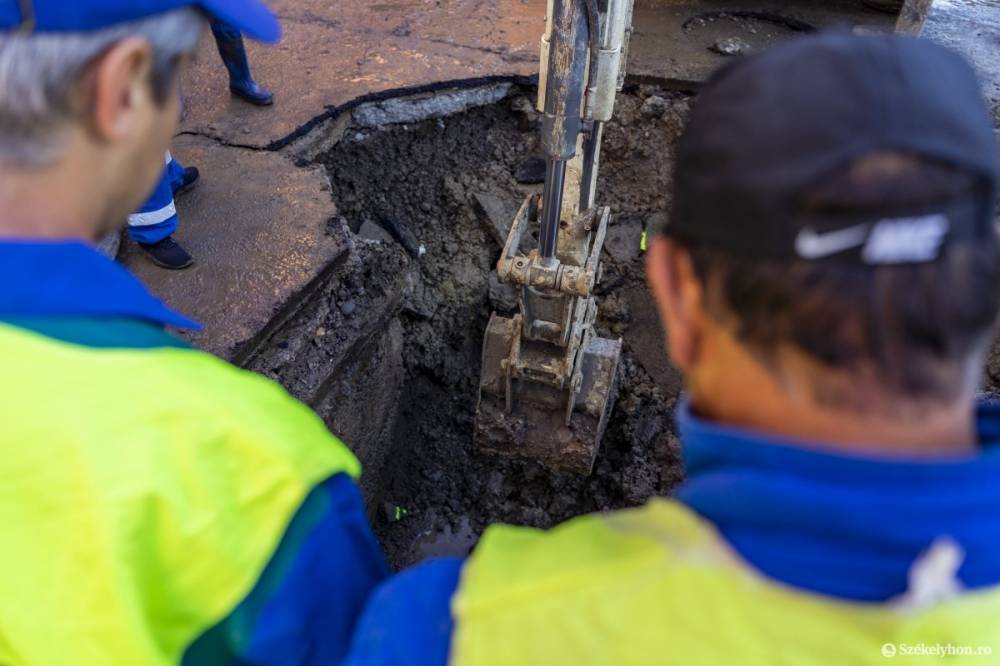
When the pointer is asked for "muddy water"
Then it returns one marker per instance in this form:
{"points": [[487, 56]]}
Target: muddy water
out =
{"points": [[436, 191]]}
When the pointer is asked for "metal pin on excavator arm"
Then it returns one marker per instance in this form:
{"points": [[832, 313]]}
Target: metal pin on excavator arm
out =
{"points": [[548, 382]]}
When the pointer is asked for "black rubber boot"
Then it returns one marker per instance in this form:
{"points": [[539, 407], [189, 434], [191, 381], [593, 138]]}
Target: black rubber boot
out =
{"points": [[234, 56], [168, 254]]}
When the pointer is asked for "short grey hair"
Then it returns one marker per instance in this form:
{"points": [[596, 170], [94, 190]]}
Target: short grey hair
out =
{"points": [[39, 73]]}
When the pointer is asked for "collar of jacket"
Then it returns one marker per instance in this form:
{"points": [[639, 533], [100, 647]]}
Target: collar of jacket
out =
{"points": [[845, 526], [71, 279]]}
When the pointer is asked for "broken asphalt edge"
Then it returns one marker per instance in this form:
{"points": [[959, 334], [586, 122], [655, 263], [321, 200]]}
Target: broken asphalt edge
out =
{"points": [[331, 112], [246, 351]]}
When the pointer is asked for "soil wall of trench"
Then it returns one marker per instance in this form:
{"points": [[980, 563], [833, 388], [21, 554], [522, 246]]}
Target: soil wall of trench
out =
{"points": [[387, 346]]}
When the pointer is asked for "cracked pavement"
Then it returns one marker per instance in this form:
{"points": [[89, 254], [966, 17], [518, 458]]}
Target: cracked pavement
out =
{"points": [[257, 223]]}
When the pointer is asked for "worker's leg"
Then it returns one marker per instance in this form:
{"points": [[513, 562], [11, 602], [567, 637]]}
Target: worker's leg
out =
{"points": [[234, 55], [153, 224], [181, 177], [157, 218]]}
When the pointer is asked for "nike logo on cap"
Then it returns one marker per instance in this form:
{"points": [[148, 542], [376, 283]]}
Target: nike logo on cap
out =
{"points": [[890, 241], [812, 245]]}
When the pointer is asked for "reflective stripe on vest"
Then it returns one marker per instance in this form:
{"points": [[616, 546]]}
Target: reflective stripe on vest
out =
{"points": [[142, 493], [658, 585]]}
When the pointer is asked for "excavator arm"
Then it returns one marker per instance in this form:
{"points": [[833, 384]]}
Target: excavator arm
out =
{"points": [[548, 381]]}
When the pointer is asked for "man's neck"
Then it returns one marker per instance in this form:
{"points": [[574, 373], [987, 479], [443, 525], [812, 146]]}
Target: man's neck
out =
{"points": [[942, 433], [49, 203], [870, 423]]}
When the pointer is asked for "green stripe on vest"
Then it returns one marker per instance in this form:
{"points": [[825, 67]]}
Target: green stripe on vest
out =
{"points": [[658, 585], [218, 644], [142, 494]]}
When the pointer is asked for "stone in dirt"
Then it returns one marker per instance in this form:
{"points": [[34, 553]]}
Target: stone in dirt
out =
{"points": [[420, 301], [622, 241], [649, 349], [654, 107], [402, 233], [371, 231], [531, 171], [523, 105], [730, 46], [449, 542], [503, 296], [498, 212]]}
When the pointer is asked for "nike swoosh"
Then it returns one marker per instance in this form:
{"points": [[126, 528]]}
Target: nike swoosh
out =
{"points": [[811, 245]]}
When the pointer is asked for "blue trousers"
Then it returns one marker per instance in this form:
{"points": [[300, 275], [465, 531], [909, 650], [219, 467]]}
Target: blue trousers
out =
{"points": [[222, 30], [157, 218]]}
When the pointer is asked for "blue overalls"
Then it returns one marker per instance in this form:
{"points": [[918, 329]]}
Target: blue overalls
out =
{"points": [[157, 218]]}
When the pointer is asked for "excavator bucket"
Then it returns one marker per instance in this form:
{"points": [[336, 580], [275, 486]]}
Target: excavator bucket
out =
{"points": [[548, 382], [561, 429]]}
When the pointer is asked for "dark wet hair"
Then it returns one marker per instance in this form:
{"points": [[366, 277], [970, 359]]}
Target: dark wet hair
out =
{"points": [[916, 329]]}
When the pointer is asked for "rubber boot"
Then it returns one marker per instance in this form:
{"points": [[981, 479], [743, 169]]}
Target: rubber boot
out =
{"points": [[234, 56]]}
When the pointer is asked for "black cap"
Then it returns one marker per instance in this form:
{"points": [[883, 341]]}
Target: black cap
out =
{"points": [[767, 128]]}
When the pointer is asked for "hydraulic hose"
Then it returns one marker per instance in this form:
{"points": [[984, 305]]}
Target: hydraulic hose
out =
{"points": [[555, 179]]}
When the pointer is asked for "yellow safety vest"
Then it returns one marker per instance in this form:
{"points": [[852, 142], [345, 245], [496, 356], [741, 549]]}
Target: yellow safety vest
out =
{"points": [[142, 492], [658, 585]]}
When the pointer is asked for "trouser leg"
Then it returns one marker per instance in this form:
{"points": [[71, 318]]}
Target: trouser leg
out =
{"points": [[175, 171], [157, 218]]}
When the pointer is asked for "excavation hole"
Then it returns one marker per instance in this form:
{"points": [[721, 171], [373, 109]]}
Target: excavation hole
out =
{"points": [[449, 186]]}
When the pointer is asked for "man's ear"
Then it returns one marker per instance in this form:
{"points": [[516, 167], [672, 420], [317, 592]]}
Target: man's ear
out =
{"points": [[121, 88], [678, 295]]}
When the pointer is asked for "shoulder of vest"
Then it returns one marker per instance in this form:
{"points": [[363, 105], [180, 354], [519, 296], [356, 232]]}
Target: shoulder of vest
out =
{"points": [[660, 585], [168, 385], [515, 562]]}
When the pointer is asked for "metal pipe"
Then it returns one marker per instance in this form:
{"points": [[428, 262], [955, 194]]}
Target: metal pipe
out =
{"points": [[591, 155], [548, 234], [567, 66]]}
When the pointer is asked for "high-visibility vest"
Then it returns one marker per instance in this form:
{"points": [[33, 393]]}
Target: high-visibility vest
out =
{"points": [[142, 493], [659, 585]]}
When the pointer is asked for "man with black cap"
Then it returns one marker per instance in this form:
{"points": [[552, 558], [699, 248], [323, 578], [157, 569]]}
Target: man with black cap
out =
{"points": [[829, 278], [157, 506]]}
